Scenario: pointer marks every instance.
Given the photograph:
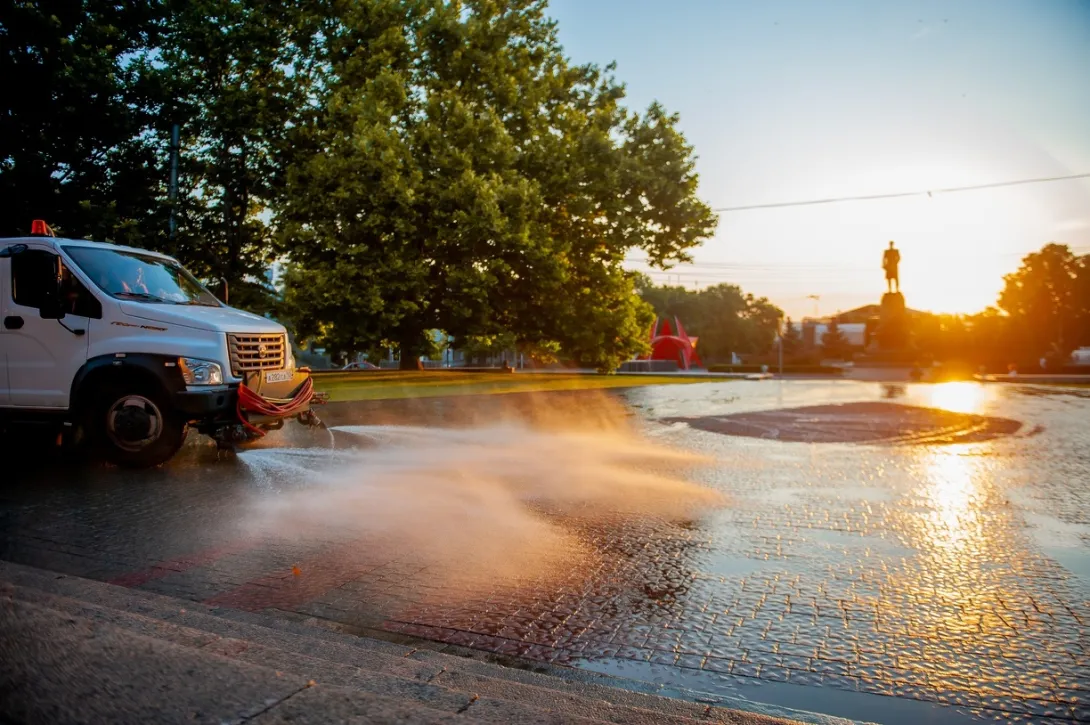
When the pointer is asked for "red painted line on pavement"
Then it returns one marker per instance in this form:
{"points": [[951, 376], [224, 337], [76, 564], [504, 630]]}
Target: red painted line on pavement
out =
{"points": [[285, 590], [182, 563]]}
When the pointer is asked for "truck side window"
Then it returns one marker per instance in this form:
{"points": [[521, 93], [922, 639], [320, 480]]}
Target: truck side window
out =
{"points": [[34, 269]]}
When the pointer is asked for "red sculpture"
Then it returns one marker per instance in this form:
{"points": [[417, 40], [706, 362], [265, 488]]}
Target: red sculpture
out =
{"points": [[665, 345]]}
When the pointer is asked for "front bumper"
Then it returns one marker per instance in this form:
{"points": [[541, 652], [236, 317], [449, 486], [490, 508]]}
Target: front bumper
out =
{"points": [[213, 402], [220, 403]]}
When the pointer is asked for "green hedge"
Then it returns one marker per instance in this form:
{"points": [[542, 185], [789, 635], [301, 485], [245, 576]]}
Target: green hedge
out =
{"points": [[795, 369]]}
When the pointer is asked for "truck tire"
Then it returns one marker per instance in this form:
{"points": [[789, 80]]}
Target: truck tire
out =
{"points": [[133, 426]]}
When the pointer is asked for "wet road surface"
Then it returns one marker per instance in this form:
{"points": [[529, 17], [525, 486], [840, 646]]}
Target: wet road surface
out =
{"points": [[944, 582]]}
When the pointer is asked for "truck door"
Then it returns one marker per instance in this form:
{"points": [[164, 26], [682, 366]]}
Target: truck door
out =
{"points": [[43, 356]]}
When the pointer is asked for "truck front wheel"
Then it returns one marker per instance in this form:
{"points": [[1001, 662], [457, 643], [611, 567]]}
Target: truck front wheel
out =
{"points": [[135, 427]]}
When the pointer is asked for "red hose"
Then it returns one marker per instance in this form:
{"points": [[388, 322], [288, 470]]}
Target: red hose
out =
{"points": [[251, 402]]}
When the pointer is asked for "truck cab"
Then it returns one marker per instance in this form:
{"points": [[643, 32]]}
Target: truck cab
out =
{"points": [[125, 349]]}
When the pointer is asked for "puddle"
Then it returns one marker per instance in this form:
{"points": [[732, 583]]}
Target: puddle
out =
{"points": [[1066, 543], [782, 699]]}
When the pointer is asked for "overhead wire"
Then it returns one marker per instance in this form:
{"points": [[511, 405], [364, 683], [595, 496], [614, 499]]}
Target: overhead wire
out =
{"points": [[902, 194]]}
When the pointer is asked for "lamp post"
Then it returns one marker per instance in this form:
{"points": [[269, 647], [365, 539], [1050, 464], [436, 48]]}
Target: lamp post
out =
{"points": [[779, 343]]}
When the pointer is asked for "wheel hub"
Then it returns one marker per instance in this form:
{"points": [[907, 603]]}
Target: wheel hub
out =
{"points": [[134, 422]]}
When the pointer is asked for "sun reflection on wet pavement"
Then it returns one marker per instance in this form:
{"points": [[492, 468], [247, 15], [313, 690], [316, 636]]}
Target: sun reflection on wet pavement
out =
{"points": [[958, 396], [954, 498]]}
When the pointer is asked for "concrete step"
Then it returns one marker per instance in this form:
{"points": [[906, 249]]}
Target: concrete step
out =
{"points": [[499, 705], [437, 687], [59, 668], [340, 659]]}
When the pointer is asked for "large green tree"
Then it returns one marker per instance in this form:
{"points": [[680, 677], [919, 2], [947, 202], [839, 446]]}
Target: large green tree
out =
{"points": [[464, 176]]}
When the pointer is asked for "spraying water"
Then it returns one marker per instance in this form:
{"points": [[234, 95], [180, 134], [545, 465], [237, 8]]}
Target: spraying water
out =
{"points": [[502, 502]]}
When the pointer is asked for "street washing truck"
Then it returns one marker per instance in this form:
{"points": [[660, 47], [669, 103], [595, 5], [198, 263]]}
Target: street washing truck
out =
{"points": [[124, 350]]}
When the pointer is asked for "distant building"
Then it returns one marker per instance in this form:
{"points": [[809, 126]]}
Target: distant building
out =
{"points": [[812, 332]]}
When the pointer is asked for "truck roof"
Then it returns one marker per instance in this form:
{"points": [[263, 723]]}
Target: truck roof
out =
{"points": [[62, 241]]}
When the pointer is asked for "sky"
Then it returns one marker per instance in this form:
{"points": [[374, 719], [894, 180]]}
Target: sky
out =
{"points": [[797, 100]]}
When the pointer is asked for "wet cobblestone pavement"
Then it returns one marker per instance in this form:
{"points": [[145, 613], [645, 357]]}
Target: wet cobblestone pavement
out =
{"points": [[943, 582]]}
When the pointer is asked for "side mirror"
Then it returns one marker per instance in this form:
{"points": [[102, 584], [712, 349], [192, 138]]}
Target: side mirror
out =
{"points": [[13, 250], [52, 305]]}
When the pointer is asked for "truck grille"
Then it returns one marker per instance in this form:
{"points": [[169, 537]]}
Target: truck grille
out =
{"points": [[255, 352]]}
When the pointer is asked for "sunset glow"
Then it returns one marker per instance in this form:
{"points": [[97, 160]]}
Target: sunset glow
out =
{"points": [[789, 102]]}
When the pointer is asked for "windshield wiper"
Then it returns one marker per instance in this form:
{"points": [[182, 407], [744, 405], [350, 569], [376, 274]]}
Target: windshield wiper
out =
{"points": [[144, 296]]}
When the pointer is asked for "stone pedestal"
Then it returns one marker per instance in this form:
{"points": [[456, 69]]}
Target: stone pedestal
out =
{"points": [[889, 336]]}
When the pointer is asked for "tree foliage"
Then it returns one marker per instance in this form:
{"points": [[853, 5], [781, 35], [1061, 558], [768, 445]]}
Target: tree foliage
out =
{"points": [[833, 343], [792, 339], [1048, 300], [77, 128], [238, 76]]}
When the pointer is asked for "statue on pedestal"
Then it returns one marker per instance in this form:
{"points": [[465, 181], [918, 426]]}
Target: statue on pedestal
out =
{"points": [[889, 334], [891, 259]]}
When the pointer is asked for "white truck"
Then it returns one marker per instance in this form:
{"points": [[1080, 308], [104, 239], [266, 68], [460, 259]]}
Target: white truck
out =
{"points": [[125, 350]]}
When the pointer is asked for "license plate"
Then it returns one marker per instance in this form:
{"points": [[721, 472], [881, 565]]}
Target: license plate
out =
{"points": [[278, 376]]}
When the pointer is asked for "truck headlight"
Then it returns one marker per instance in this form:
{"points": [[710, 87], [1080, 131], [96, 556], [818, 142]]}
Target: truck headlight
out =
{"points": [[289, 358], [200, 372]]}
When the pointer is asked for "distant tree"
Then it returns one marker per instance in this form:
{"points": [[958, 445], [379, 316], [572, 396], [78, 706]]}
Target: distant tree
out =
{"points": [[939, 337], [1046, 301], [1081, 333], [792, 339], [764, 320], [477, 348], [667, 300], [833, 343], [726, 319]]}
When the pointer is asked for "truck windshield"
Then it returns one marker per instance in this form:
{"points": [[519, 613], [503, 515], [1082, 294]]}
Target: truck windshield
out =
{"points": [[141, 277]]}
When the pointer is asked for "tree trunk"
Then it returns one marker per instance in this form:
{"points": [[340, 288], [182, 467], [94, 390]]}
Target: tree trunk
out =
{"points": [[410, 353]]}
